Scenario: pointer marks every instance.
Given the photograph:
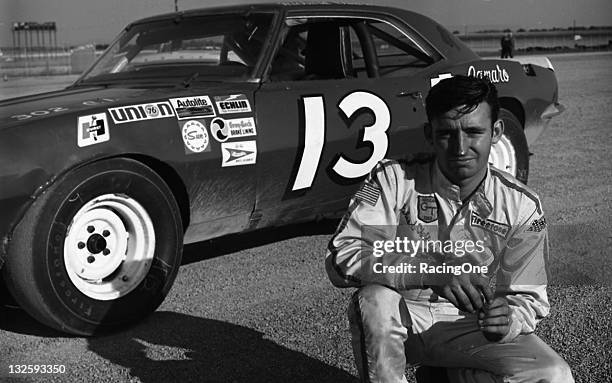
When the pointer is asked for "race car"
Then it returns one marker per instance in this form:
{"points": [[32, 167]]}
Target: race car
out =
{"points": [[203, 123]]}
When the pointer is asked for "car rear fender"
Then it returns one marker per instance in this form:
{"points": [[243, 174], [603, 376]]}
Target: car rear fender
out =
{"points": [[529, 90], [542, 61]]}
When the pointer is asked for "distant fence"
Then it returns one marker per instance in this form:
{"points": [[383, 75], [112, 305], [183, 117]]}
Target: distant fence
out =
{"points": [[545, 40], [46, 61]]}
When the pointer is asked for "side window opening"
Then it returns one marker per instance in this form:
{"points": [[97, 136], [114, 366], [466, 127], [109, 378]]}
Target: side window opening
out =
{"points": [[289, 62], [398, 55], [318, 49], [345, 48]]}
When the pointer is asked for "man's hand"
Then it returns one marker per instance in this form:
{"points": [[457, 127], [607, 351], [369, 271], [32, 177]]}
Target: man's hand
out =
{"points": [[468, 292], [494, 319]]}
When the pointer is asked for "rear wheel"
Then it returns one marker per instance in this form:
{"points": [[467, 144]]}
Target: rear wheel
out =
{"points": [[99, 249], [511, 154]]}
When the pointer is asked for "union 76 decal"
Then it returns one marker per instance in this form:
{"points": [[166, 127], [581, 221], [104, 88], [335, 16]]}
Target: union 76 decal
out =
{"points": [[314, 131]]}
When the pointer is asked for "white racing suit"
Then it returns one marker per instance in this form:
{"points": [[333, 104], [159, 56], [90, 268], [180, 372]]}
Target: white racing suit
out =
{"points": [[396, 319]]}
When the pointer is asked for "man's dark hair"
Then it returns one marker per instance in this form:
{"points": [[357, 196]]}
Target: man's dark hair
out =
{"points": [[462, 92]]}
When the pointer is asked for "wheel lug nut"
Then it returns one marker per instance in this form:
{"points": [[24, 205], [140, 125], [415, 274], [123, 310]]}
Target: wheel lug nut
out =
{"points": [[106, 251], [106, 233], [90, 229], [90, 259], [81, 245]]}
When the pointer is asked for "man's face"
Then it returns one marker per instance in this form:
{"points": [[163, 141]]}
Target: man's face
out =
{"points": [[462, 145]]}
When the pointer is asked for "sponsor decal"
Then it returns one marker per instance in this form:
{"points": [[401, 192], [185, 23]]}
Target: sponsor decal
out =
{"points": [[235, 103], [222, 129], [441, 76], [368, 194], [494, 227], [241, 127], [494, 75], [192, 107], [195, 137], [427, 208], [537, 225], [142, 112], [238, 153], [219, 129], [92, 129]]}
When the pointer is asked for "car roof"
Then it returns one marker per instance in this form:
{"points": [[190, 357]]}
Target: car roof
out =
{"points": [[450, 46], [291, 6]]}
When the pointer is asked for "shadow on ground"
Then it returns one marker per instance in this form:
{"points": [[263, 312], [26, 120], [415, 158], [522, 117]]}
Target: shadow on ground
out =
{"points": [[16, 320], [171, 347]]}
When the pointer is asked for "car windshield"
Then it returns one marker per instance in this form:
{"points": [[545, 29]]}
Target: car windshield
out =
{"points": [[213, 47]]}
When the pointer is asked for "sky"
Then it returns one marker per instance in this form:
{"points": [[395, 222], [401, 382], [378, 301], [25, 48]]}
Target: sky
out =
{"points": [[98, 21]]}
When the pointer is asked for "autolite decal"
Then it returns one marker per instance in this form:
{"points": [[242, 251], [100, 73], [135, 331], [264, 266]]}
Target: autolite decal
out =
{"points": [[494, 75], [235, 103], [142, 112], [192, 107]]}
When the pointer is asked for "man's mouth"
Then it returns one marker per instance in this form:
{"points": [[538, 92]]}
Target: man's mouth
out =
{"points": [[461, 159]]}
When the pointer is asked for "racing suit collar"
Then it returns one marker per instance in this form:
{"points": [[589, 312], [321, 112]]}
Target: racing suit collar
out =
{"points": [[479, 200]]}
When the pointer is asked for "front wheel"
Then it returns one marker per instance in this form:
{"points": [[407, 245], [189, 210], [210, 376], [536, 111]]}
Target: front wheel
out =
{"points": [[510, 153], [99, 249]]}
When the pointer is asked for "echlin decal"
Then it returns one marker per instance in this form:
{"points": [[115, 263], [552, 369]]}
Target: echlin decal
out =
{"points": [[235, 103]]}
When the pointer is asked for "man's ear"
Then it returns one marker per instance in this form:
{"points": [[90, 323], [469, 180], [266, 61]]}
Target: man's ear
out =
{"points": [[498, 131], [428, 133]]}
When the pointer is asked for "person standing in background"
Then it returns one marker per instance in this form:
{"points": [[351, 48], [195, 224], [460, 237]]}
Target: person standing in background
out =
{"points": [[507, 45]]}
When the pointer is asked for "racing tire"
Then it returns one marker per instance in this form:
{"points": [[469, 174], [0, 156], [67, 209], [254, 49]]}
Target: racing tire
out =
{"points": [[98, 250], [511, 153]]}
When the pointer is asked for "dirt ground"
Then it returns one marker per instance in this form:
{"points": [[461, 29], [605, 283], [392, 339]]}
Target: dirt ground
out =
{"points": [[262, 309]]}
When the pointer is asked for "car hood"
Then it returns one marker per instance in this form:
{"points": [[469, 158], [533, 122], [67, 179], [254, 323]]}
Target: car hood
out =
{"points": [[17, 111]]}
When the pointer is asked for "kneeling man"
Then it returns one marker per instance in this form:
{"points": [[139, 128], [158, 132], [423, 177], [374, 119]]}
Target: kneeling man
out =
{"points": [[449, 256]]}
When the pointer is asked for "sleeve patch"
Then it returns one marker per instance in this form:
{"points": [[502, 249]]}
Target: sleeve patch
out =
{"points": [[537, 225], [368, 194]]}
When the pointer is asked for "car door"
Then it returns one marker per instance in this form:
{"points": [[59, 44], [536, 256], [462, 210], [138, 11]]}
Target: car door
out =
{"points": [[332, 106]]}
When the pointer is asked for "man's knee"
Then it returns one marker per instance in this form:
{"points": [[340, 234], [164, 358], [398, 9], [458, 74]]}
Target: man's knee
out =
{"points": [[555, 370]]}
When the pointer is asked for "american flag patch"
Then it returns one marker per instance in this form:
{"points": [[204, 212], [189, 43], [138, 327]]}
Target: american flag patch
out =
{"points": [[538, 225], [368, 193]]}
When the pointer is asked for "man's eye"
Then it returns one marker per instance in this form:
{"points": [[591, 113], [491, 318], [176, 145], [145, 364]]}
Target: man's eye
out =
{"points": [[474, 132]]}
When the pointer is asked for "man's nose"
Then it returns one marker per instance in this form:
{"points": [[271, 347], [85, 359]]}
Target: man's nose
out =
{"points": [[459, 144]]}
